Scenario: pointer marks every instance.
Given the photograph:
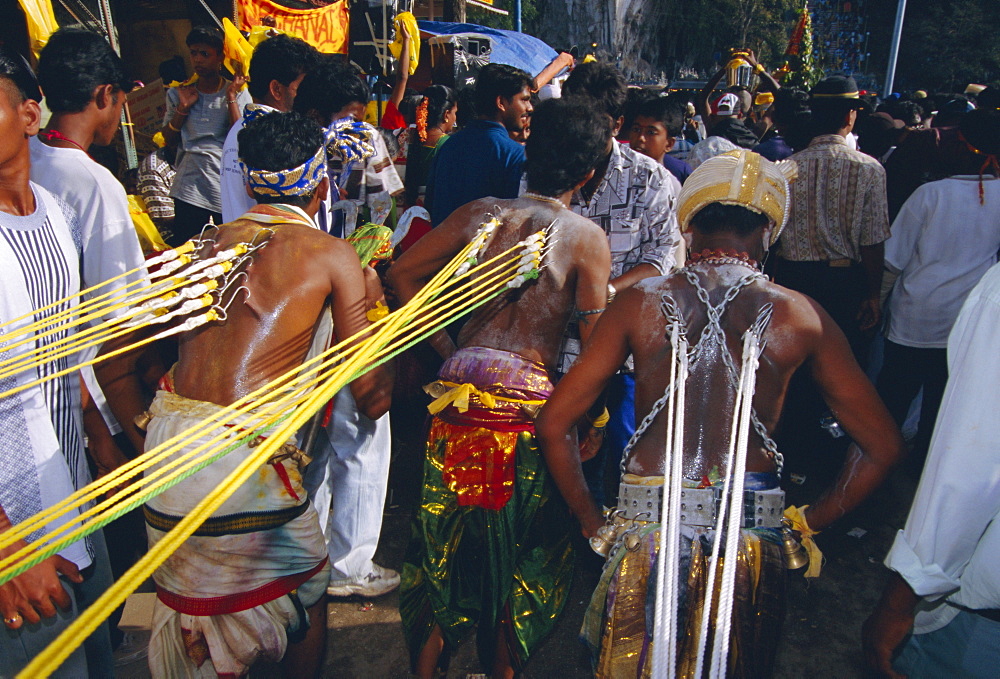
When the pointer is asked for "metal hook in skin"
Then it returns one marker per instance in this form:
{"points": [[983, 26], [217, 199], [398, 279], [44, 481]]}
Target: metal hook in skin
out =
{"points": [[253, 242], [224, 308], [220, 313], [209, 225], [229, 283]]}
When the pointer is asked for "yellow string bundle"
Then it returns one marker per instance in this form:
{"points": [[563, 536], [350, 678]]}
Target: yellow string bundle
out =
{"points": [[300, 393]]}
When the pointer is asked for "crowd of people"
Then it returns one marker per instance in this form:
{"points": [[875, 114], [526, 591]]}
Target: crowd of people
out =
{"points": [[726, 305]]}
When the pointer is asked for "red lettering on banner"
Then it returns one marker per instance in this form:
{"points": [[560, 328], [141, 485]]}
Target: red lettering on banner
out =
{"points": [[325, 28]]}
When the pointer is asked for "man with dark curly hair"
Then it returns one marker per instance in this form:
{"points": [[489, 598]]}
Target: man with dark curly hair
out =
{"points": [[481, 159], [491, 544], [252, 581], [277, 68], [198, 116]]}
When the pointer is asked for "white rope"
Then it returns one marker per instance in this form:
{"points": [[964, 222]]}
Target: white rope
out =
{"points": [[727, 590], [719, 523], [674, 505], [664, 610]]}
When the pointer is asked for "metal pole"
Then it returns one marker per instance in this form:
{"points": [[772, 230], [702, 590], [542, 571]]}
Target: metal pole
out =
{"points": [[894, 49], [517, 15], [131, 157]]}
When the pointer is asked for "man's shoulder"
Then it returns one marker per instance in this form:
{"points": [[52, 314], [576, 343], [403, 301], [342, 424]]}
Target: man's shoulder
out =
{"points": [[864, 159], [62, 216], [76, 178], [308, 241], [838, 153], [479, 143], [647, 170], [232, 135], [584, 226]]}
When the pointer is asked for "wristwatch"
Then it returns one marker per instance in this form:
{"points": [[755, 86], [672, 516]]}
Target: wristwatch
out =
{"points": [[611, 293]]}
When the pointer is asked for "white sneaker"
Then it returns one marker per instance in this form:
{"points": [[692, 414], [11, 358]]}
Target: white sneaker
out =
{"points": [[376, 582]]}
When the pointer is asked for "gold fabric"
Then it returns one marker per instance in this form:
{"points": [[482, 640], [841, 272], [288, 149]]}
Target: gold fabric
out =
{"points": [[738, 178], [626, 645], [625, 628]]}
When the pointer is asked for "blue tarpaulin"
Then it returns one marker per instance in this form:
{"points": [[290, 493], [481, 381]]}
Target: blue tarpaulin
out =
{"points": [[507, 47]]}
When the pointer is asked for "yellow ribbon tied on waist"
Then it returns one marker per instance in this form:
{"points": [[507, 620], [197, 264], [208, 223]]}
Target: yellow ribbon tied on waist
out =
{"points": [[798, 518], [459, 396]]}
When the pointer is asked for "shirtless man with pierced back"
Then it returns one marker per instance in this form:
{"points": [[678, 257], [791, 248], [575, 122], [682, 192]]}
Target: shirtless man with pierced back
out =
{"points": [[729, 237], [251, 582], [489, 513]]}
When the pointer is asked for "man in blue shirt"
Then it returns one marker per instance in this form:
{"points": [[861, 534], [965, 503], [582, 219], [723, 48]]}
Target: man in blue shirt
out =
{"points": [[481, 159]]}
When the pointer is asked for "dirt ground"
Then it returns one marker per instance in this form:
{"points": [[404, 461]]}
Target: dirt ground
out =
{"points": [[820, 637]]}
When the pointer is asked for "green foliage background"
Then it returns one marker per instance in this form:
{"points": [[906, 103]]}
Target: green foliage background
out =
{"points": [[949, 43], [476, 15]]}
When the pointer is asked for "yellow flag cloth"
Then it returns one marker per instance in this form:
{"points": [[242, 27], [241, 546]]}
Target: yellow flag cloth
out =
{"points": [[236, 49], [798, 518], [325, 28], [406, 22], [41, 23], [259, 34], [149, 236]]}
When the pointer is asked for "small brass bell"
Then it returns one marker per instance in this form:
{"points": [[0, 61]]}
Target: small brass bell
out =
{"points": [[632, 541], [143, 419], [604, 540], [795, 556]]}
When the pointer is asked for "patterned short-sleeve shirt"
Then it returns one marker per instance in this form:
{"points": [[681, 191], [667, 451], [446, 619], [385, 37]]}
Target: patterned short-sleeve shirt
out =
{"points": [[838, 203], [636, 205]]}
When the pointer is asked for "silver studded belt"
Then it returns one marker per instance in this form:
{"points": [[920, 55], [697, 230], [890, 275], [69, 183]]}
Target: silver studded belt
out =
{"points": [[699, 506]]}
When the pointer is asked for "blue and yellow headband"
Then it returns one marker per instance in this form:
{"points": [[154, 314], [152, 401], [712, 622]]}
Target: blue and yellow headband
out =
{"points": [[298, 181]]}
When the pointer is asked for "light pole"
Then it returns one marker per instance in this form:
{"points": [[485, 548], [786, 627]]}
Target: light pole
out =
{"points": [[897, 31]]}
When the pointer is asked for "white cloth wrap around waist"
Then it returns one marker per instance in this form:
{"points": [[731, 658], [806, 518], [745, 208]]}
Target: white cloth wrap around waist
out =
{"points": [[229, 564], [219, 565], [265, 491]]}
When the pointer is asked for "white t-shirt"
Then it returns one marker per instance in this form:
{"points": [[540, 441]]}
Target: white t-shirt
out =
{"points": [[108, 239], [941, 244], [42, 459], [235, 201], [950, 546], [110, 245]]}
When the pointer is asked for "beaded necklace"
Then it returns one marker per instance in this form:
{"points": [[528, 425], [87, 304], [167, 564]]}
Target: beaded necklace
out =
{"points": [[722, 256], [56, 135]]}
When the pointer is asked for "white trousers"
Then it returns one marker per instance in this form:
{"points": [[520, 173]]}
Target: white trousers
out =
{"points": [[347, 482]]}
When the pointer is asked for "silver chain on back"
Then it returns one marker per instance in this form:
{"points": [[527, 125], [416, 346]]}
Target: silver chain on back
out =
{"points": [[713, 328]]}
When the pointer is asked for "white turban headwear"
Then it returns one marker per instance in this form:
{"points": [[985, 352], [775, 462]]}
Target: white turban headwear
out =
{"points": [[741, 178]]}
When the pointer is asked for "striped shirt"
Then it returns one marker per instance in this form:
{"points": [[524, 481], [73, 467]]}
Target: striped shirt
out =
{"points": [[41, 429], [838, 203]]}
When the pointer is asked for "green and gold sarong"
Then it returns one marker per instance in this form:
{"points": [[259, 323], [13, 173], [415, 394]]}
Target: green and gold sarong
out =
{"points": [[491, 539]]}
